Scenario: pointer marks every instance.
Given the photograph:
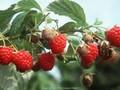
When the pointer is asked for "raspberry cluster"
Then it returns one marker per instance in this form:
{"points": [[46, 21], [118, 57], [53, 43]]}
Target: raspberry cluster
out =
{"points": [[103, 50], [22, 59], [87, 51], [113, 36], [57, 43]]}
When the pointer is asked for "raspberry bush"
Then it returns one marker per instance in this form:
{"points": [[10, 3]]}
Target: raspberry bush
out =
{"points": [[87, 55]]}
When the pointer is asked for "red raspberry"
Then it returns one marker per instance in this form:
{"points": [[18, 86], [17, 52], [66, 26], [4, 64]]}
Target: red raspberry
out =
{"points": [[23, 60], [57, 44], [46, 61], [5, 55], [88, 59], [113, 36]]}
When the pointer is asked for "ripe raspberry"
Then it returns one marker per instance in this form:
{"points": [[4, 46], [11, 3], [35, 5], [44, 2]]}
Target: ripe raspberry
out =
{"points": [[57, 44], [5, 55], [46, 61], [113, 36], [88, 59], [22, 60]]}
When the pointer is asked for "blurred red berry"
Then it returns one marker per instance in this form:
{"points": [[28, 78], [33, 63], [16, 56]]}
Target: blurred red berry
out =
{"points": [[113, 36], [89, 57], [46, 61], [5, 55], [23, 60]]}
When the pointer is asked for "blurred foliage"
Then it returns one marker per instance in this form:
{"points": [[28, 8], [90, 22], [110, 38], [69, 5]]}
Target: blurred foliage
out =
{"points": [[42, 81], [107, 77]]}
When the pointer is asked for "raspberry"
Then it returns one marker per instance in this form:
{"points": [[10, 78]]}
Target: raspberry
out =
{"points": [[57, 44], [22, 60], [113, 36], [5, 55], [88, 58], [46, 61]]}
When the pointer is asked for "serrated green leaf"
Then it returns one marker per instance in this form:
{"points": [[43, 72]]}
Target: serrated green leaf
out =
{"points": [[26, 5], [68, 27], [69, 8], [5, 17]]}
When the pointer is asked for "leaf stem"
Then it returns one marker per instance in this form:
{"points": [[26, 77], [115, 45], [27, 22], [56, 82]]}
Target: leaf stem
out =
{"points": [[6, 38], [97, 36], [43, 19], [2, 37]]}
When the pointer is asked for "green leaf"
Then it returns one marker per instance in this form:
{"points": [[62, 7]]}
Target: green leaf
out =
{"points": [[27, 23], [69, 8], [23, 44], [98, 22], [35, 18], [75, 40], [16, 24], [41, 81], [70, 51], [70, 54], [1, 88], [26, 5], [68, 27], [100, 33], [7, 78], [6, 16], [20, 81], [49, 20]]}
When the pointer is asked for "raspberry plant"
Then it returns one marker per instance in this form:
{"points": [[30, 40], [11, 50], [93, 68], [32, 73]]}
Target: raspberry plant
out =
{"points": [[90, 52]]}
